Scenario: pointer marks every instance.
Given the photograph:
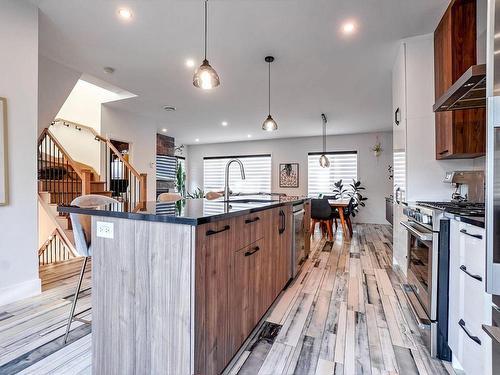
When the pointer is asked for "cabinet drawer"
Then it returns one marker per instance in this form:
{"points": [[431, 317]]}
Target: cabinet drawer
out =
{"points": [[249, 228], [474, 303], [474, 249], [473, 353]]}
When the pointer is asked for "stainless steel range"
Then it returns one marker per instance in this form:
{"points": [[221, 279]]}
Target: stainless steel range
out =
{"points": [[428, 267]]}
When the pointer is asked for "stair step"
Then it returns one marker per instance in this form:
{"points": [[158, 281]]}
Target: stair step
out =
{"points": [[69, 186], [64, 222]]}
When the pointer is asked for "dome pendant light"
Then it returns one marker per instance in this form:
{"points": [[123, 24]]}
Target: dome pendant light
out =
{"points": [[269, 124], [323, 160], [206, 77]]}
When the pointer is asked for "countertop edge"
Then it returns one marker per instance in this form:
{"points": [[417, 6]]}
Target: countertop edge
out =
{"points": [[170, 219]]}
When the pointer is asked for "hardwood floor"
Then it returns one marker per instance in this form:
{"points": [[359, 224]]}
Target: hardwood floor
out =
{"points": [[344, 314]]}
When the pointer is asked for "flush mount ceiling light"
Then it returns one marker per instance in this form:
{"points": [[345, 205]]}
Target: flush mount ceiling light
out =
{"points": [[323, 160], [348, 28], [206, 77], [269, 124], [125, 13]]}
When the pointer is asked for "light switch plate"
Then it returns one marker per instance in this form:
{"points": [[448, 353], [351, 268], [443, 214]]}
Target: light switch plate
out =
{"points": [[105, 230]]}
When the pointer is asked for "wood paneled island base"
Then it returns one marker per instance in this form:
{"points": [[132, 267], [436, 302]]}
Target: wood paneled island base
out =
{"points": [[173, 298]]}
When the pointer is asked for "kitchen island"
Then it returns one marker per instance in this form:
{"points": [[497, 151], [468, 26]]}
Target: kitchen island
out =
{"points": [[178, 287]]}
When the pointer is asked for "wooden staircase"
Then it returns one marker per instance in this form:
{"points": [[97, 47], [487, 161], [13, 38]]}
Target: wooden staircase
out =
{"points": [[62, 179]]}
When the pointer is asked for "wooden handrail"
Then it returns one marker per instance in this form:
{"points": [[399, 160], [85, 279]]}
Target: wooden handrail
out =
{"points": [[71, 162], [99, 137]]}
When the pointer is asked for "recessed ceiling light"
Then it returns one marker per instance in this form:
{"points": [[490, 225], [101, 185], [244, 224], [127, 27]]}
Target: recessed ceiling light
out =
{"points": [[197, 140], [125, 13], [348, 28], [249, 135], [164, 130], [224, 123], [169, 108], [190, 63], [109, 69]]}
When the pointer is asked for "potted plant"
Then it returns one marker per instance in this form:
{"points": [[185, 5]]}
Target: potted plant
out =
{"points": [[377, 149], [353, 191]]}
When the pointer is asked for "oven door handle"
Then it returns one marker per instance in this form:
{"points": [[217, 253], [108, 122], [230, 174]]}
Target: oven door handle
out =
{"points": [[420, 235]]}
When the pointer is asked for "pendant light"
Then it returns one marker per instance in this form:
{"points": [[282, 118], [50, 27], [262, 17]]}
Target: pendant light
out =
{"points": [[323, 160], [206, 77], [269, 124]]}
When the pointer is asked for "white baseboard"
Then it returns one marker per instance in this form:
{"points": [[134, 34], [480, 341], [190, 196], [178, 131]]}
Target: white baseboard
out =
{"points": [[19, 291]]}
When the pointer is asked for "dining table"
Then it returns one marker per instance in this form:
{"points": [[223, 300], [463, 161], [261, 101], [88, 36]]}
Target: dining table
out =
{"points": [[340, 205]]}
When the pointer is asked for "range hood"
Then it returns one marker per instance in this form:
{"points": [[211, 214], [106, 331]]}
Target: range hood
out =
{"points": [[469, 91]]}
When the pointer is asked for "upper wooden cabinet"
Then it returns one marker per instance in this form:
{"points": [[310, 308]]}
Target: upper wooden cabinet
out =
{"points": [[459, 134]]}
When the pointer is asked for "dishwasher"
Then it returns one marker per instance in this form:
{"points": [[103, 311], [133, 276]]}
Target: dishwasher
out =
{"points": [[298, 238]]}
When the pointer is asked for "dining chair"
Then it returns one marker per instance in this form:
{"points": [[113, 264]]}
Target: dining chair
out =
{"points": [[82, 233], [321, 212], [169, 197], [348, 213], [335, 214]]}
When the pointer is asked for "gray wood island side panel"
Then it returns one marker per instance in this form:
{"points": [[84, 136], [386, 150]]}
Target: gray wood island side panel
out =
{"points": [[142, 298]]}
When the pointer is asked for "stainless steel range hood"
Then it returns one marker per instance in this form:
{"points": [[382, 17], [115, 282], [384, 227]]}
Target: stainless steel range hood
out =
{"points": [[469, 91]]}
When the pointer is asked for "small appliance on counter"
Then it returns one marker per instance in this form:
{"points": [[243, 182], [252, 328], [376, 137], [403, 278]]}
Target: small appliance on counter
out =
{"points": [[469, 186]]}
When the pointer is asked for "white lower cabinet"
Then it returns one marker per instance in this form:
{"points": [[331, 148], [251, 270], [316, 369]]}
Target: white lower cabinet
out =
{"points": [[469, 304]]}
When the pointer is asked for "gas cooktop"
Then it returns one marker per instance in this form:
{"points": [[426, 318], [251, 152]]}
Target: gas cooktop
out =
{"points": [[457, 208]]}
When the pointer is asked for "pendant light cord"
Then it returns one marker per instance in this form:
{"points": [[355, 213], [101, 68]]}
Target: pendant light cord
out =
{"points": [[206, 21], [324, 133], [269, 88]]}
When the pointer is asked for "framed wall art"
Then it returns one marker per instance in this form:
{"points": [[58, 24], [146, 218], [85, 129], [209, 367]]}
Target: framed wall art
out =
{"points": [[3, 152], [289, 175]]}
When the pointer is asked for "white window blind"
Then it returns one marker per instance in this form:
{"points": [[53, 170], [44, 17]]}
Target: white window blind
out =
{"points": [[343, 166], [257, 171]]}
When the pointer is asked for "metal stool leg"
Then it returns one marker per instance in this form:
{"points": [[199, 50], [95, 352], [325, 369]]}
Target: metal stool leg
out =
{"points": [[75, 298]]}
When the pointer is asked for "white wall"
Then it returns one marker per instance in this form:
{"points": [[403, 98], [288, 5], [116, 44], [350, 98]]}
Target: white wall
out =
{"points": [[18, 83], [425, 174], [55, 82], [140, 132], [372, 171]]}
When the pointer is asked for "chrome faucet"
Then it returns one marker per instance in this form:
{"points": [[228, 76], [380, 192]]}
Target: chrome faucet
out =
{"points": [[226, 186]]}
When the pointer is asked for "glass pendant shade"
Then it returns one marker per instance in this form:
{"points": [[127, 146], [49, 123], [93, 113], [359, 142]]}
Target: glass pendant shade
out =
{"points": [[206, 77], [324, 162], [269, 125]]}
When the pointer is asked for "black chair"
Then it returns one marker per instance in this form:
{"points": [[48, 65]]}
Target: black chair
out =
{"points": [[348, 213], [335, 214], [321, 212]]}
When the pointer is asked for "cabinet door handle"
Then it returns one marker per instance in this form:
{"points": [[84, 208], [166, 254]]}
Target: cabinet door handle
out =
{"points": [[396, 116], [443, 152], [282, 225], [464, 269], [478, 236], [212, 232], [248, 221], [251, 252], [461, 323]]}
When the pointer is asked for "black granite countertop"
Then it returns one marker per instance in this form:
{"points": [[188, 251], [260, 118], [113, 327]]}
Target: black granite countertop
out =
{"points": [[477, 221], [189, 211]]}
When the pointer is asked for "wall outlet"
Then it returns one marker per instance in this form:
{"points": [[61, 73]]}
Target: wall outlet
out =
{"points": [[105, 230]]}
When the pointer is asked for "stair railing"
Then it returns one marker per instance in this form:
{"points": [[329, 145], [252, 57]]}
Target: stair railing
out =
{"points": [[57, 171], [55, 249], [121, 178]]}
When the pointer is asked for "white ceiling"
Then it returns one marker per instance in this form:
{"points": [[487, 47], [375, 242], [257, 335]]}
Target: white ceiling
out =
{"points": [[317, 69]]}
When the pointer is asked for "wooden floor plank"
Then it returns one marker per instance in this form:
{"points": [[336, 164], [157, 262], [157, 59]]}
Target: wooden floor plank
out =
{"points": [[345, 313]]}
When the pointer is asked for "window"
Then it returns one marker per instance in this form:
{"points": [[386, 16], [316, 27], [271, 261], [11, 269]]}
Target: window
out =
{"points": [[166, 167], [257, 171], [343, 166]]}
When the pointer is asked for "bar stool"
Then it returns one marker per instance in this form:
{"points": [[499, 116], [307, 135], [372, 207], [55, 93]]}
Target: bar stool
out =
{"points": [[81, 231]]}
